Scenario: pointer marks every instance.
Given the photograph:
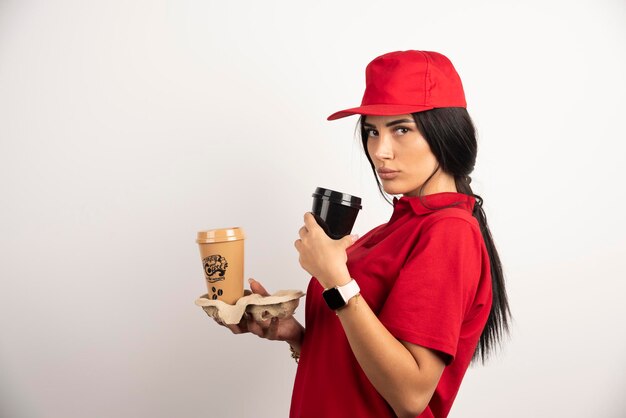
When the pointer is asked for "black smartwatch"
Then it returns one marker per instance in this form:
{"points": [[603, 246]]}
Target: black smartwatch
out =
{"points": [[338, 297]]}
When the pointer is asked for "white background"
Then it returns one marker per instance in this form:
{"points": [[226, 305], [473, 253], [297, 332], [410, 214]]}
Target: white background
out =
{"points": [[126, 126]]}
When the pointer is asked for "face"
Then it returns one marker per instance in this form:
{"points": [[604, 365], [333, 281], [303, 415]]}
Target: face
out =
{"points": [[402, 157]]}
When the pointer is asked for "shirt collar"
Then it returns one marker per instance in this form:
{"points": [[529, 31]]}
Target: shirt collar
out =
{"points": [[433, 202]]}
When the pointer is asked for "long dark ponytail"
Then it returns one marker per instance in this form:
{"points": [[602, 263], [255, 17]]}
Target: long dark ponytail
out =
{"points": [[451, 136]]}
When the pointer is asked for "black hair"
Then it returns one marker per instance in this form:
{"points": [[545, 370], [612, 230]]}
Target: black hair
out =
{"points": [[451, 135]]}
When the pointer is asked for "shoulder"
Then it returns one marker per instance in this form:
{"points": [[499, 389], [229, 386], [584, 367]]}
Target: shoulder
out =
{"points": [[452, 227], [451, 219]]}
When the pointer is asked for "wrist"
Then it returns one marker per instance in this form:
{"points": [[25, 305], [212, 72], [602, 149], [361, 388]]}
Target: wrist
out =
{"points": [[296, 345], [338, 278], [296, 342], [350, 305], [339, 296]]}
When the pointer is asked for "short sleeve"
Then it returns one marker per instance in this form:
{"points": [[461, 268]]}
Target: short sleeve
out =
{"points": [[436, 286]]}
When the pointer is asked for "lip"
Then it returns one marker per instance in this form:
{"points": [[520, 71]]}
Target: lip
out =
{"points": [[387, 173]]}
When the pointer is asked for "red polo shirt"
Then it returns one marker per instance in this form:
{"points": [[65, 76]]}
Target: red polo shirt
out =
{"points": [[426, 275]]}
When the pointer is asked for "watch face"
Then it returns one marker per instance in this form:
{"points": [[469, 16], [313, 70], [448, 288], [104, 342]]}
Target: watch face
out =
{"points": [[333, 298]]}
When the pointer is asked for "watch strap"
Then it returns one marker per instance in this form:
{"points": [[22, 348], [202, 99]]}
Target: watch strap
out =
{"points": [[349, 290], [337, 297]]}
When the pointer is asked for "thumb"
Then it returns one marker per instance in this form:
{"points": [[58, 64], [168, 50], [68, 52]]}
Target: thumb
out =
{"points": [[348, 240], [257, 288]]}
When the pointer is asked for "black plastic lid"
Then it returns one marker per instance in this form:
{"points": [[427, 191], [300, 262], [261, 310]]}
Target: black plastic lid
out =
{"points": [[337, 197]]}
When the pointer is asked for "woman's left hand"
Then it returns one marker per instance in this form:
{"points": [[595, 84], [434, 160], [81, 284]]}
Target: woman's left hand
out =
{"points": [[321, 256]]}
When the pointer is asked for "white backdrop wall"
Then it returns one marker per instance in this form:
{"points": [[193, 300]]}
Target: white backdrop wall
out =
{"points": [[126, 126]]}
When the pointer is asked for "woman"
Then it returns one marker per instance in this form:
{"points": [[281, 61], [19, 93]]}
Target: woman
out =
{"points": [[419, 296]]}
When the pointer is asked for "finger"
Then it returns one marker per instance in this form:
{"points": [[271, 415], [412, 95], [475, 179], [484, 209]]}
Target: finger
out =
{"points": [[297, 243], [310, 223], [255, 327], [272, 331], [235, 329], [348, 240], [240, 328], [302, 231], [257, 288]]}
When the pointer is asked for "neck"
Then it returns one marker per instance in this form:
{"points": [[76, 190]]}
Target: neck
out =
{"points": [[441, 182]]}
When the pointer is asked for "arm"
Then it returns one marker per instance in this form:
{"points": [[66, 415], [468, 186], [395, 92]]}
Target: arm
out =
{"points": [[405, 374]]}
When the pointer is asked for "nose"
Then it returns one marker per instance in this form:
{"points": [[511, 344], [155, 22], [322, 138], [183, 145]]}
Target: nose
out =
{"points": [[383, 149]]}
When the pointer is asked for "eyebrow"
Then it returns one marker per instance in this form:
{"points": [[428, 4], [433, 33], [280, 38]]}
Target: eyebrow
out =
{"points": [[392, 123]]}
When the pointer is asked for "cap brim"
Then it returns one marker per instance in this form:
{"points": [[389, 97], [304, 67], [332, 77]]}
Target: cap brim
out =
{"points": [[379, 110]]}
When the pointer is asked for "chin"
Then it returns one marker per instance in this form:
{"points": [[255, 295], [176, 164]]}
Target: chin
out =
{"points": [[395, 190], [400, 189]]}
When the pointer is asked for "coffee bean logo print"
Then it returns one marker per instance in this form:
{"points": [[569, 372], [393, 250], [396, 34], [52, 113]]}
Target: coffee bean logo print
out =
{"points": [[216, 292], [215, 268]]}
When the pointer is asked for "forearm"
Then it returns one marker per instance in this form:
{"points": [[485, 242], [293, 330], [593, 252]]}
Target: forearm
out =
{"points": [[387, 363]]}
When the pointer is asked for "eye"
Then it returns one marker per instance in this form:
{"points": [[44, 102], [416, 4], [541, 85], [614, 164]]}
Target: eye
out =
{"points": [[401, 130], [371, 133]]}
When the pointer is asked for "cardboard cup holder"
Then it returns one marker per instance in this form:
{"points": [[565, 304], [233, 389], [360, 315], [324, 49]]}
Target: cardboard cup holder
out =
{"points": [[281, 304]]}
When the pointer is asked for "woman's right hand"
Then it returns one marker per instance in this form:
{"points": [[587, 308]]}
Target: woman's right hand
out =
{"points": [[287, 329]]}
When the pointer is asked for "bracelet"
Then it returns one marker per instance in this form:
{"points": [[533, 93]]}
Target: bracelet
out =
{"points": [[294, 355]]}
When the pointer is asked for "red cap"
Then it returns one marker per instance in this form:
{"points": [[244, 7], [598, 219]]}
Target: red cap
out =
{"points": [[407, 82]]}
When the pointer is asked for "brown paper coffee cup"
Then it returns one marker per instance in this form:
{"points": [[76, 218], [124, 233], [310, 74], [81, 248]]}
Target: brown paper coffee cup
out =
{"points": [[221, 251]]}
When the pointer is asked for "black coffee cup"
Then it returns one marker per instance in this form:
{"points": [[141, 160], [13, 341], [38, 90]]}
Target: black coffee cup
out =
{"points": [[335, 212]]}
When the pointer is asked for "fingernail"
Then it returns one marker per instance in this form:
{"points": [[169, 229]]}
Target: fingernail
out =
{"points": [[355, 237], [250, 280]]}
